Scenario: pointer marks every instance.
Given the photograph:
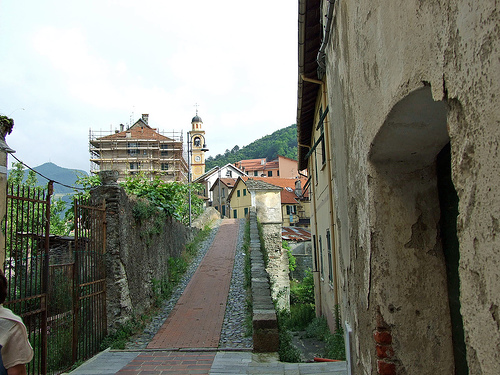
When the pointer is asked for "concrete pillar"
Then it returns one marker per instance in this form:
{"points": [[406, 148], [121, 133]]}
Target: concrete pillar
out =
{"points": [[6, 125]]}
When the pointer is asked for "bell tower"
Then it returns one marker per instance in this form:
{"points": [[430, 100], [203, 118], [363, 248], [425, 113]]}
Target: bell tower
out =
{"points": [[198, 147]]}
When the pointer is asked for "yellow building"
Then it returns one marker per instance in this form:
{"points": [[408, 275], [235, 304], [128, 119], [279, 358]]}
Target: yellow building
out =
{"points": [[294, 202], [198, 147], [239, 199]]}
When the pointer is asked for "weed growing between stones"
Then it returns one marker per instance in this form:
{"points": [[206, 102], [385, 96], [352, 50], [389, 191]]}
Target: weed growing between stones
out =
{"points": [[292, 261], [287, 351], [247, 269], [119, 339], [318, 329]]}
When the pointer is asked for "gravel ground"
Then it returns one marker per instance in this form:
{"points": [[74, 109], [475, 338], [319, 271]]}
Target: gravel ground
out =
{"points": [[233, 329]]}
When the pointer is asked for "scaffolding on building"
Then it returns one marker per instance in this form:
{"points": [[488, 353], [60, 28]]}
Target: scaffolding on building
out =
{"points": [[161, 155]]}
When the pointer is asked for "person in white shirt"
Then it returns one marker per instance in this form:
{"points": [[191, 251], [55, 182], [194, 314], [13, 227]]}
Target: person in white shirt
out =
{"points": [[16, 350]]}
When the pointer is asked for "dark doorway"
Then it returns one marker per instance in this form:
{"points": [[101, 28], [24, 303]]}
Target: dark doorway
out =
{"points": [[448, 201]]}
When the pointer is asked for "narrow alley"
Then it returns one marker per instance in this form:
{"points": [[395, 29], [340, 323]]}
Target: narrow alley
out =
{"points": [[189, 341]]}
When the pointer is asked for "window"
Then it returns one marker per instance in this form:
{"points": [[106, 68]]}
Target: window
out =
{"points": [[132, 144], [224, 210], [223, 192], [320, 126], [235, 215], [164, 147], [164, 153], [246, 211], [323, 150], [321, 257], [229, 173], [244, 192], [133, 152], [134, 165], [290, 210], [278, 173], [164, 166], [315, 255], [270, 174], [255, 173], [238, 193], [329, 249], [197, 141]]}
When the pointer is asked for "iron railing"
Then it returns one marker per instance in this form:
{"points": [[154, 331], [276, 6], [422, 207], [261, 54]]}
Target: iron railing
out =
{"points": [[59, 291]]}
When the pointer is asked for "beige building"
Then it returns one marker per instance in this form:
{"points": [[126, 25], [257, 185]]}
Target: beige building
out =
{"points": [[220, 191], [280, 167], [399, 125], [139, 149], [294, 201]]}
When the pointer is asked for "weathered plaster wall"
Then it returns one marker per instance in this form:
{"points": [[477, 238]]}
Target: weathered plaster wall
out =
{"points": [[378, 54], [137, 254]]}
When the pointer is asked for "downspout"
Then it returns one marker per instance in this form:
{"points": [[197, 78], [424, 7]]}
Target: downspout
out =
{"points": [[321, 53]]}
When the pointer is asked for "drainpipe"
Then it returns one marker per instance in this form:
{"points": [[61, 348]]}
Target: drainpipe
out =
{"points": [[321, 53], [326, 133]]}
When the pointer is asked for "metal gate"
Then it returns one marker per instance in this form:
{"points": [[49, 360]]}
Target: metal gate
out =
{"points": [[56, 284]]}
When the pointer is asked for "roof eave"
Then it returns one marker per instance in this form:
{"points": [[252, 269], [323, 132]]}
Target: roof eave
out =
{"points": [[309, 44]]}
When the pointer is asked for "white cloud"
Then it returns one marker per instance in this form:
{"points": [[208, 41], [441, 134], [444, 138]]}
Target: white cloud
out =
{"points": [[96, 62]]}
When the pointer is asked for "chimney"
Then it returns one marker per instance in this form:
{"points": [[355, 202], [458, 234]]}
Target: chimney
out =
{"points": [[298, 188], [145, 118], [122, 127]]}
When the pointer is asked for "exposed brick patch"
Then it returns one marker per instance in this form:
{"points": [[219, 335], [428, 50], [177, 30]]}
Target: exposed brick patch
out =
{"points": [[384, 351], [383, 337], [386, 368], [383, 346]]}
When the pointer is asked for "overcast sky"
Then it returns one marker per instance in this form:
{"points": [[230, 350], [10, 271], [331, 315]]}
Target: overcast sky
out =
{"points": [[70, 65]]}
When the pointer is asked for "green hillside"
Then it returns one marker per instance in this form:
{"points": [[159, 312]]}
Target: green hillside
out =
{"points": [[282, 142]]}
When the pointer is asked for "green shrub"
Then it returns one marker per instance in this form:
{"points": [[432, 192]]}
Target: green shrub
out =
{"points": [[334, 342], [303, 292], [120, 338], [287, 351], [301, 316], [143, 210], [335, 347], [318, 329]]}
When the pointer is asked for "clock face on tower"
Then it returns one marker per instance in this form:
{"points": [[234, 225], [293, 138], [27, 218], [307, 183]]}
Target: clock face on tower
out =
{"points": [[197, 158]]}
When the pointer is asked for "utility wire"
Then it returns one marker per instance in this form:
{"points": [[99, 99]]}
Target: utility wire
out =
{"points": [[49, 179]]}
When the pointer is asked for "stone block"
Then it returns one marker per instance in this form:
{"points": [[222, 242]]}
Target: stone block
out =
{"points": [[265, 340]]}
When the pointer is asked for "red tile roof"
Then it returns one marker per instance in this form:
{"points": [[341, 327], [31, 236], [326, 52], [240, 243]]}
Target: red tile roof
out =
{"points": [[295, 234], [138, 132]]}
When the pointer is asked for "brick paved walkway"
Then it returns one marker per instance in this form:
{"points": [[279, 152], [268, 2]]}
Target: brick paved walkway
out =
{"points": [[196, 320], [162, 362]]}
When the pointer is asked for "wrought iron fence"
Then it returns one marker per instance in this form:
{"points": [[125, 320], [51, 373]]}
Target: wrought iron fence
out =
{"points": [[58, 290]]}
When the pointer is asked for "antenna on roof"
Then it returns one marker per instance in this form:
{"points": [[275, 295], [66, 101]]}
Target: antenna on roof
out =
{"points": [[196, 105]]}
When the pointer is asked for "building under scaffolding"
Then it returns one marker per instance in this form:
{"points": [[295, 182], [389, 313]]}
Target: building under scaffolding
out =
{"points": [[139, 149]]}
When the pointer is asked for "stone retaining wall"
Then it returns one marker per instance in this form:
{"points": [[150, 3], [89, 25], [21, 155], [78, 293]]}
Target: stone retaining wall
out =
{"points": [[264, 320], [136, 254]]}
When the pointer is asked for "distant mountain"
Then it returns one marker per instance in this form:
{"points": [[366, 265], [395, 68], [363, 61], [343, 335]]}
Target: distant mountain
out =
{"points": [[59, 174], [282, 142]]}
